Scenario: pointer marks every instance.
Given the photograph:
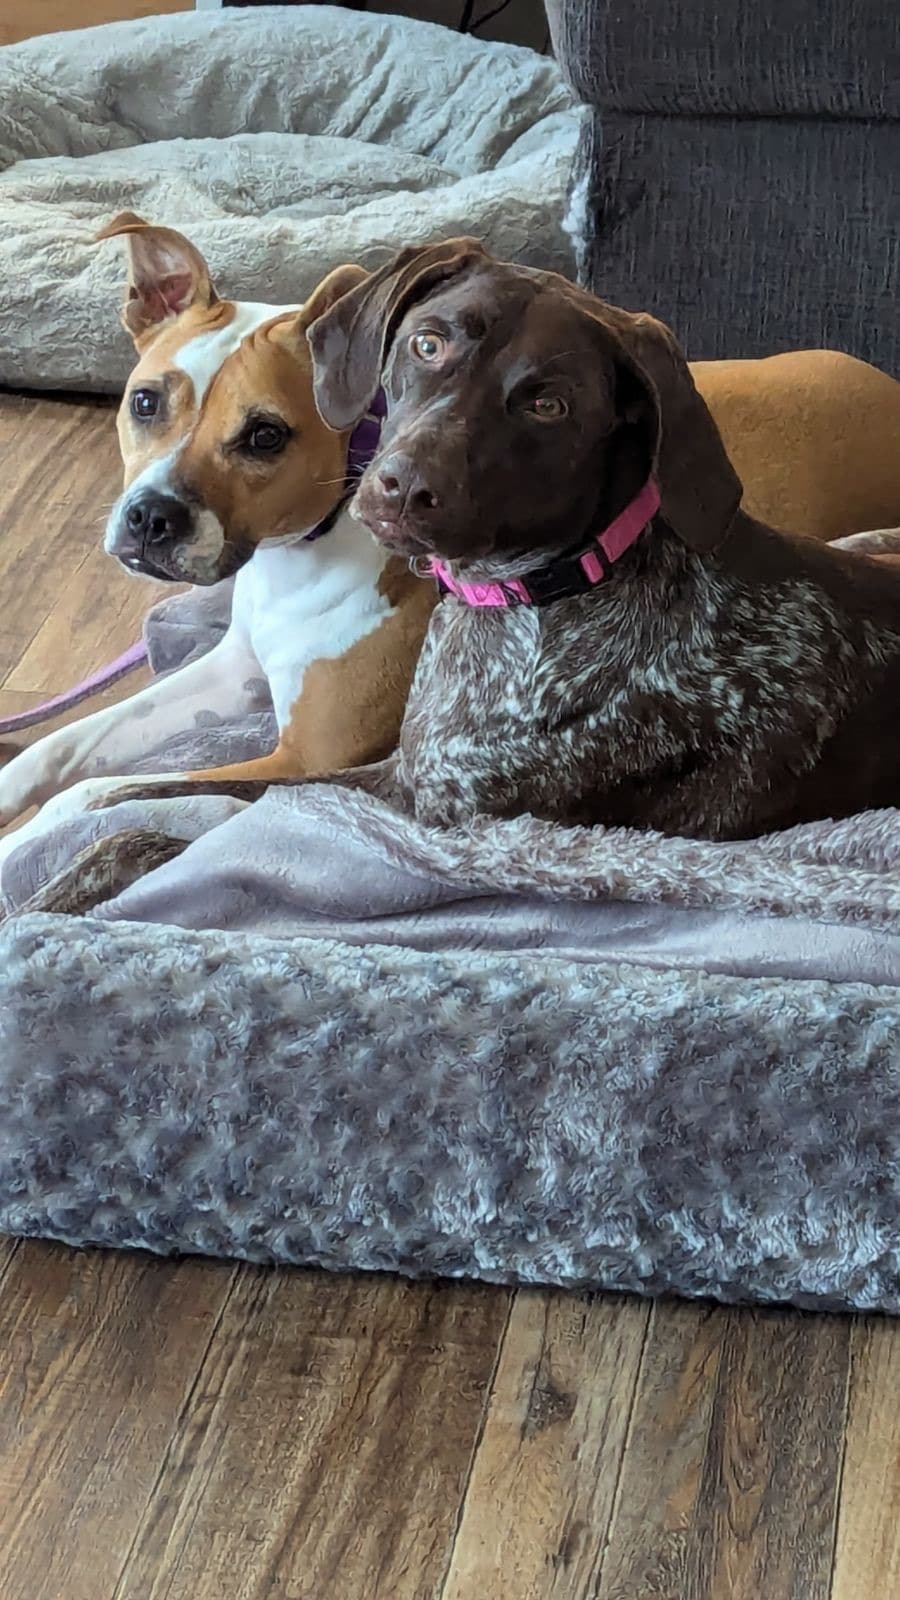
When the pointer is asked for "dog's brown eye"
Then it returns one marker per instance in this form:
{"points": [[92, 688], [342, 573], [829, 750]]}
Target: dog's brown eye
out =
{"points": [[144, 404], [266, 438], [427, 346], [548, 407]]}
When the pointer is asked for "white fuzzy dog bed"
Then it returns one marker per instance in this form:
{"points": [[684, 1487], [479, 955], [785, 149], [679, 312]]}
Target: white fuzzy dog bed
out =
{"points": [[283, 140]]}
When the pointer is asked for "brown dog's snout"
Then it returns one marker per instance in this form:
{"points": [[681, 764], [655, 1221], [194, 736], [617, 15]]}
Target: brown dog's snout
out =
{"points": [[402, 489]]}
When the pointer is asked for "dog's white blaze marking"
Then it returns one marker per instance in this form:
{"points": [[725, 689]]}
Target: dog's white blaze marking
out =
{"points": [[202, 356], [157, 476], [302, 603], [204, 546]]}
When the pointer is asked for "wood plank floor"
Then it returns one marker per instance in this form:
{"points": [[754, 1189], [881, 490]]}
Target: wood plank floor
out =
{"points": [[22, 19], [202, 1431]]}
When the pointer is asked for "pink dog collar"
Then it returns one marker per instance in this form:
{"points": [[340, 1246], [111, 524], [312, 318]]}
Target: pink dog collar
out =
{"points": [[572, 573]]}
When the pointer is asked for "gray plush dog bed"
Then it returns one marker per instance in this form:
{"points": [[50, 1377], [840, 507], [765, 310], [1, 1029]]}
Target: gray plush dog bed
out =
{"points": [[526, 1117], [282, 140], [325, 1034]]}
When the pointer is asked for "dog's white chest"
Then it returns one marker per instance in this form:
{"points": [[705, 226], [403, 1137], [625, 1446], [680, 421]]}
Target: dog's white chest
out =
{"points": [[300, 603]]}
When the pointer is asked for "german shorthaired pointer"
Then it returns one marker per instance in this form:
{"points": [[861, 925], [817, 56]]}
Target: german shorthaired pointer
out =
{"points": [[618, 641]]}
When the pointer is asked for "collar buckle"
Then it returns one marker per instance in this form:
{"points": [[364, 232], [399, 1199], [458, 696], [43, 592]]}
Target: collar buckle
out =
{"points": [[562, 578]]}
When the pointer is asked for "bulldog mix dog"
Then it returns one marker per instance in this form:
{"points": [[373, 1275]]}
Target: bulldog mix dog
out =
{"points": [[230, 469]]}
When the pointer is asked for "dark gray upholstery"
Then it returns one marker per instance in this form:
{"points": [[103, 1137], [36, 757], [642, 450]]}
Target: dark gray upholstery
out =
{"points": [[741, 173]]}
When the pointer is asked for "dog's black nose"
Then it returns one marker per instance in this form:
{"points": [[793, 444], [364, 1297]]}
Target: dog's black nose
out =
{"points": [[402, 487], [153, 517]]}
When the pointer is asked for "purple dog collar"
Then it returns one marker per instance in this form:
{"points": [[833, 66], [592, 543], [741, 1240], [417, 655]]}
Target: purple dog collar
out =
{"points": [[363, 444], [570, 574], [365, 438]]}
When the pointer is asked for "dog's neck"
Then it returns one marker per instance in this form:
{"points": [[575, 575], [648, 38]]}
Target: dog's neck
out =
{"points": [[622, 468], [575, 572]]}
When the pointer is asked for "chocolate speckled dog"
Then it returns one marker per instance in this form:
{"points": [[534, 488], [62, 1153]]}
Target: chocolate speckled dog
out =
{"points": [[618, 643]]}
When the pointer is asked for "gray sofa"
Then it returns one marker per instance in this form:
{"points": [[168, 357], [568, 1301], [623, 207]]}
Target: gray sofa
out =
{"points": [[741, 172]]}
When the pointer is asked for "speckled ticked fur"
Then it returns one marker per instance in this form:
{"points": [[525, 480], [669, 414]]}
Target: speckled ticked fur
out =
{"points": [[582, 705]]}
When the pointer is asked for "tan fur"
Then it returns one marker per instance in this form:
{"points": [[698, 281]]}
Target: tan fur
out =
{"points": [[349, 710], [260, 498], [815, 437], [140, 448]]}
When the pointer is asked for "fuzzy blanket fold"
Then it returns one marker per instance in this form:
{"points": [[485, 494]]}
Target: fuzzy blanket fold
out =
{"points": [[821, 901]]}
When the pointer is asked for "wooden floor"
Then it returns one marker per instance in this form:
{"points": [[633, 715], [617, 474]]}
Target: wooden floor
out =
{"points": [[22, 19], [202, 1431]]}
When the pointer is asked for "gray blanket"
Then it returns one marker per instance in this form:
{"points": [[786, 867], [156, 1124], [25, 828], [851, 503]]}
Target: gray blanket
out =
{"points": [[327, 1034], [820, 901]]}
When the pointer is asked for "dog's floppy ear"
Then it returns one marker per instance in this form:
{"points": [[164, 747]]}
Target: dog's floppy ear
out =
{"points": [[350, 341], [332, 288], [291, 329], [700, 492], [166, 273]]}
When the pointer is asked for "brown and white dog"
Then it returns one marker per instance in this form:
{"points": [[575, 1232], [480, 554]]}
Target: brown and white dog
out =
{"points": [[230, 469]]}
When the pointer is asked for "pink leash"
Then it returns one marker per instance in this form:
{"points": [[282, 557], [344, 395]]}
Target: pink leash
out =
{"points": [[135, 656]]}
